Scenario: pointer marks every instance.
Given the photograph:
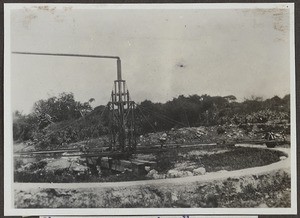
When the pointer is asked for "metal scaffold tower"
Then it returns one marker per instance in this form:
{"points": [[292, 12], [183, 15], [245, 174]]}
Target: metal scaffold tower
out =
{"points": [[121, 116]]}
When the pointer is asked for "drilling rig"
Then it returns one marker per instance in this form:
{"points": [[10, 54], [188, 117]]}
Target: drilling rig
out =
{"points": [[121, 116], [121, 108]]}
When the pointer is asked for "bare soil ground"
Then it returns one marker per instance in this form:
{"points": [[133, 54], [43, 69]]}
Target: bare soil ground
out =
{"points": [[213, 175], [170, 163], [264, 186], [186, 135]]}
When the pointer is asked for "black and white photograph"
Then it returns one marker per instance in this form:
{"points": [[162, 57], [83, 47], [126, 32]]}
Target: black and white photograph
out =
{"points": [[147, 109]]}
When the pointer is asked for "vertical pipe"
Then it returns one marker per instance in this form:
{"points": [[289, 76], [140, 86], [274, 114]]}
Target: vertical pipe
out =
{"points": [[115, 91], [110, 127], [127, 99], [121, 107], [120, 90], [119, 75], [124, 93], [112, 99], [113, 128], [133, 127]]}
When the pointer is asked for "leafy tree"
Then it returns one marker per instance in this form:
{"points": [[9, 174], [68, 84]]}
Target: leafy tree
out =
{"points": [[23, 126], [230, 98], [61, 108]]}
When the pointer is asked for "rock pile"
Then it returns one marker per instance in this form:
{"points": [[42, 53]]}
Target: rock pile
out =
{"points": [[215, 134], [175, 173]]}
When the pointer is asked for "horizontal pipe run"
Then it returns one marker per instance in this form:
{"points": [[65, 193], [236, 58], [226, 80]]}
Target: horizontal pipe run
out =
{"points": [[68, 55]]}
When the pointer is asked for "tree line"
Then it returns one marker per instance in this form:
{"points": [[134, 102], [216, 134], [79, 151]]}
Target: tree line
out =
{"points": [[62, 119], [205, 110]]}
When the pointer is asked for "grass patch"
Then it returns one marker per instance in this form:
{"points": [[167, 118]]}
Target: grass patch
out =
{"points": [[240, 158]]}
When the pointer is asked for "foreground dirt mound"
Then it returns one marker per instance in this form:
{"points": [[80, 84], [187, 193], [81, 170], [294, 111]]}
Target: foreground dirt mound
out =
{"points": [[267, 190]]}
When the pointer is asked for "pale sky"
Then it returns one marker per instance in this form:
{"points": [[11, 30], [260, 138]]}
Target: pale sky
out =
{"points": [[164, 53]]}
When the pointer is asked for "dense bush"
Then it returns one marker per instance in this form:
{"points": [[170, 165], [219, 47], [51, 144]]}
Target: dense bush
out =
{"points": [[61, 119], [208, 110], [52, 111]]}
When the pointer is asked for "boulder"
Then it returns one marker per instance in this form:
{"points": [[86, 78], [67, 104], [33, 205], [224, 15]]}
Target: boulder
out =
{"points": [[173, 174], [187, 173], [282, 157], [151, 173], [199, 171], [78, 168], [177, 174], [62, 163], [159, 176], [28, 166]]}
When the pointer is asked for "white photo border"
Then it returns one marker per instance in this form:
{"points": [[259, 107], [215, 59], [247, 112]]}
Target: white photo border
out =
{"points": [[8, 148]]}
